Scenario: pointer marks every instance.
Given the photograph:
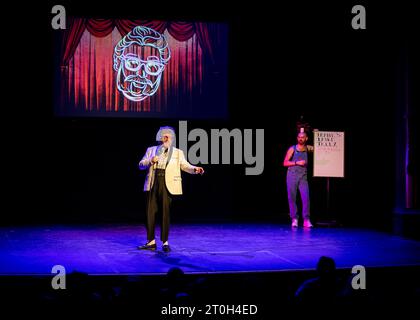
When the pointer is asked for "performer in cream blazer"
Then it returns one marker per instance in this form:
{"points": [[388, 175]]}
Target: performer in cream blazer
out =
{"points": [[163, 180]]}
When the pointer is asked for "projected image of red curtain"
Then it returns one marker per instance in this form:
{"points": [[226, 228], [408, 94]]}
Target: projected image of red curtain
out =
{"points": [[88, 80]]}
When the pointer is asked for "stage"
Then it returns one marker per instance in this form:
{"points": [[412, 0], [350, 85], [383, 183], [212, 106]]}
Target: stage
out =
{"points": [[197, 248]]}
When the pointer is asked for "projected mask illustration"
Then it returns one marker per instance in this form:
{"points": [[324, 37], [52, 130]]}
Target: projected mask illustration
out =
{"points": [[139, 61]]}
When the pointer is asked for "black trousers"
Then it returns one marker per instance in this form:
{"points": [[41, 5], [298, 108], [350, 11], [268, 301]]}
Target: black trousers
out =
{"points": [[158, 201]]}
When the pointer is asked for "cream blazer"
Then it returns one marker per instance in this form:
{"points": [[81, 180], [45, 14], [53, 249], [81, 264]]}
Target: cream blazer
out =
{"points": [[175, 164]]}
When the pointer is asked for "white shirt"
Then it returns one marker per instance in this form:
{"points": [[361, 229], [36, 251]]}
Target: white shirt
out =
{"points": [[163, 159]]}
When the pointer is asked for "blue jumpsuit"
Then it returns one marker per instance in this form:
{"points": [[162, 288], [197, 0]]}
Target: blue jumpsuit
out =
{"points": [[297, 179]]}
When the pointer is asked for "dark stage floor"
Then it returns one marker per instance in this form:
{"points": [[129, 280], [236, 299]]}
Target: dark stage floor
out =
{"points": [[197, 248]]}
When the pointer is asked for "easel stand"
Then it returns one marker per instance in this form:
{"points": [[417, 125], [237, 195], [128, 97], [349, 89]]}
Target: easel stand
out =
{"points": [[330, 222]]}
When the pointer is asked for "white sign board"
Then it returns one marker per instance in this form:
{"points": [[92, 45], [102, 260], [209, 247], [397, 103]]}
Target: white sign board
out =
{"points": [[328, 154]]}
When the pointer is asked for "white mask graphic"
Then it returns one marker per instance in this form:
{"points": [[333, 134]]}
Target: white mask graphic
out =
{"points": [[139, 60]]}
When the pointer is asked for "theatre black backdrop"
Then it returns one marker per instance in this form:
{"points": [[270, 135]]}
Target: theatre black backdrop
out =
{"points": [[282, 64]]}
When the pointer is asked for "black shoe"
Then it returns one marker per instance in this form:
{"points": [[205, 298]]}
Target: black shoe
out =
{"points": [[166, 248], [147, 247]]}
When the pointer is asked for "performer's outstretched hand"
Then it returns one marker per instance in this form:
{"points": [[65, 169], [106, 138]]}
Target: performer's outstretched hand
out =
{"points": [[199, 170]]}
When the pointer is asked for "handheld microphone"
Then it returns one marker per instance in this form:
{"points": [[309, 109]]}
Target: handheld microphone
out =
{"points": [[161, 149]]}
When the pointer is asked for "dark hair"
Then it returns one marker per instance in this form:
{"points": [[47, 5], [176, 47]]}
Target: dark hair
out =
{"points": [[325, 266]]}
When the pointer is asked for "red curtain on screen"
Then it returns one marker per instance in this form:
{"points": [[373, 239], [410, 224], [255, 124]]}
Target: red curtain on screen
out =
{"points": [[88, 80], [181, 31]]}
